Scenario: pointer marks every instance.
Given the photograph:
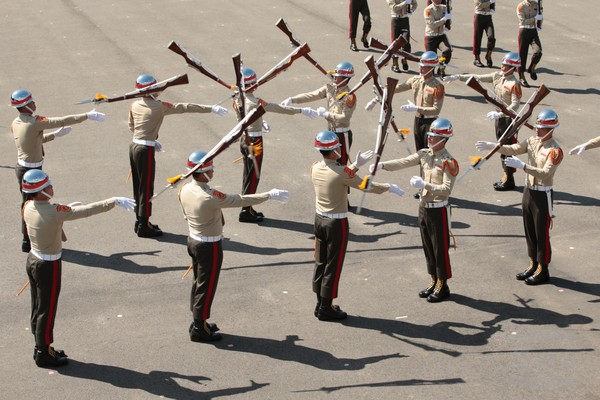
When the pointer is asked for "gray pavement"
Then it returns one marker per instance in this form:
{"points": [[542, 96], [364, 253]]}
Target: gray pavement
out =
{"points": [[124, 310]]}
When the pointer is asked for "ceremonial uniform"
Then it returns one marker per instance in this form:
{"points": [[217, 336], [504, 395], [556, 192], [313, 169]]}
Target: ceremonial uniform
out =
{"points": [[401, 10], [356, 7], [435, 32], [482, 22], [528, 36], [592, 143]]}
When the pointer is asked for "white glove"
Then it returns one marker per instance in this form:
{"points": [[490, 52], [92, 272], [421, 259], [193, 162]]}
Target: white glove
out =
{"points": [[362, 158], [492, 1], [482, 145], [396, 190], [62, 131], [157, 146], [322, 112], [514, 162], [127, 204], [410, 107], [539, 17], [371, 104], [408, 2], [286, 102], [96, 116], [494, 115], [279, 195], [217, 109], [577, 150], [266, 127], [309, 112], [417, 182], [75, 203], [451, 78], [372, 167], [448, 16]]}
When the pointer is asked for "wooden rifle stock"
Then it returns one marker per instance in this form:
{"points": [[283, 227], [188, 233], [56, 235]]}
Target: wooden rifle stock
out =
{"points": [[376, 44], [196, 63], [280, 67]]}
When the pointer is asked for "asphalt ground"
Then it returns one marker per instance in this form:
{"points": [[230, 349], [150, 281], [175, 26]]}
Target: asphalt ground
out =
{"points": [[124, 312]]}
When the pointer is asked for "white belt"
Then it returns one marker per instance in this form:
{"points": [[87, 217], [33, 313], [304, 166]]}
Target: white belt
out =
{"points": [[540, 188], [340, 130], [527, 26], [439, 204], [46, 257], [150, 143], [333, 216], [483, 12], [433, 34], [399, 16], [209, 239], [255, 134], [29, 164]]}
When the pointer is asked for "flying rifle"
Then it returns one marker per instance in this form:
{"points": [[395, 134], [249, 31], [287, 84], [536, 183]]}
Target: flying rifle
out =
{"points": [[283, 65], [223, 144], [474, 84], [516, 123], [197, 64], [157, 87], [376, 44], [283, 26]]}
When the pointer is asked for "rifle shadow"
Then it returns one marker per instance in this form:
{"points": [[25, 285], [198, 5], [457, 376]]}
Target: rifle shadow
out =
{"points": [[489, 208], [117, 261], [156, 383], [576, 91], [473, 99], [569, 199], [592, 289], [544, 70], [399, 383]]}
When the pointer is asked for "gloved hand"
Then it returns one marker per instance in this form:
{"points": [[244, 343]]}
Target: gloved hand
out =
{"points": [[266, 127], [309, 112], [126, 203], [322, 112], [417, 182], [410, 107], [286, 102], [482, 145], [96, 116], [217, 109], [492, 1], [372, 167], [157, 146], [514, 162], [539, 17], [451, 78], [75, 203], [494, 115], [577, 150], [396, 190], [371, 104], [448, 16], [362, 158], [62, 131], [408, 2], [279, 195]]}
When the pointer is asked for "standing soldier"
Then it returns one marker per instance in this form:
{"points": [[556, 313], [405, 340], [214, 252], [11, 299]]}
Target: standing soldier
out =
{"points": [[436, 18], [508, 90], [44, 265], [28, 130], [331, 181], [529, 21], [401, 11], [590, 144], [439, 171], [544, 156], [201, 206], [253, 162], [146, 115], [359, 7], [482, 22]]}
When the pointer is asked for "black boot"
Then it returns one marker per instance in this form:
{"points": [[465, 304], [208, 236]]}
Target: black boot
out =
{"points": [[532, 72], [246, 215], [522, 79], [440, 292], [329, 312], [46, 357], [506, 183], [60, 353], [540, 275], [318, 305], [429, 289], [521, 276], [395, 67], [477, 62], [147, 230], [201, 332], [211, 327], [353, 45], [488, 59], [404, 64], [364, 40]]}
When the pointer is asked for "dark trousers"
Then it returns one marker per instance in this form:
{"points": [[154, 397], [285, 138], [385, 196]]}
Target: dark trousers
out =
{"points": [[143, 168], [483, 23], [20, 171], [207, 259], [435, 235], [502, 125], [44, 281], [251, 176], [433, 43], [345, 139], [529, 37], [420, 129], [401, 26], [359, 7], [537, 221], [331, 241]]}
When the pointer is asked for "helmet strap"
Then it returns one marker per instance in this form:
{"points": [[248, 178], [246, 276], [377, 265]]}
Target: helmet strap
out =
{"points": [[547, 134], [508, 72], [337, 153], [46, 194], [428, 73]]}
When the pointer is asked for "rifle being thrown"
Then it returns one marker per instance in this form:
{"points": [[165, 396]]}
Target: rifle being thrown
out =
{"points": [[197, 64], [376, 44]]}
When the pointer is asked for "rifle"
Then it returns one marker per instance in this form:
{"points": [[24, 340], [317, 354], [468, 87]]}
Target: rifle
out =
{"points": [[376, 44], [519, 120], [157, 87], [283, 26], [540, 10], [223, 144], [280, 67], [476, 85], [197, 64]]}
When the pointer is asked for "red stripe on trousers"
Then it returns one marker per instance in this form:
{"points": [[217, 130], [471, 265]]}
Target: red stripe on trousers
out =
{"points": [[211, 283], [53, 302], [547, 239], [446, 243], [475, 33], [340, 261]]}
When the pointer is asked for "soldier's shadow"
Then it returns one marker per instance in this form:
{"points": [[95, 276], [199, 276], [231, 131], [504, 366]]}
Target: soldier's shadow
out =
{"points": [[117, 261], [582, 287]]}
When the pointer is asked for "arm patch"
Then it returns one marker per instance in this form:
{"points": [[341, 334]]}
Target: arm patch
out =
{"points": [[168, 105], [40, 118], [452, 166], [350, 101], [349, 172], [556, 156], [62, 208], [219, 195]]}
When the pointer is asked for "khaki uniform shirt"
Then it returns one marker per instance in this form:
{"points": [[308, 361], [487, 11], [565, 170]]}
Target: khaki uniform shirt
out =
{"points": [[399, 8], [252, 102], [543, 159], [428, 94], [526, 12], [201, 206], [434, 24], [592, 143], [482, 7], [146, 115], [341, 112], [331, 181], [45, 221], [507, 88], [28, 131], [439, 172]]}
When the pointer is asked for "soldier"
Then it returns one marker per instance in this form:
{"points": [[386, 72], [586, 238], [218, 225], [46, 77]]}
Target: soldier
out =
{"points": [[508, 90], [253, 161], [146, 115], [530, 19], [544, 156], [331, 180], [338, 111], [483, 23], [590, 144], [201, 206], [437, 18], [28, 130], [401, 11], [359, 7], [439, 171], [44, 265]]}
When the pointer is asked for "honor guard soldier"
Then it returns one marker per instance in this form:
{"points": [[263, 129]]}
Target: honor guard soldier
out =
{"points": [[331, 181], [146, 115], [590, 144], [530, 20], [359, 7], [44, 265], [544, 156], [483, 23], [439, 171], [201, 206], [508, 90], [437, 18], [401, 11], [253, 162], [340, 106], [28, 131]]}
